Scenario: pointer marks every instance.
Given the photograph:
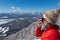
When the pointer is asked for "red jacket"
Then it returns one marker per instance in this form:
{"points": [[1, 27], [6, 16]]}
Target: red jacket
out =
{"points": [[51, 33]]}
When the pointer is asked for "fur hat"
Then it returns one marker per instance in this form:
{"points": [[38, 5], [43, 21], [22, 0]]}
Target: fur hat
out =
{"points": [[52, 16]]}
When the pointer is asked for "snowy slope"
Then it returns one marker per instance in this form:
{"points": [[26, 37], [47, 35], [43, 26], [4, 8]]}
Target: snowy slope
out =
{"points": [[3, 21]]}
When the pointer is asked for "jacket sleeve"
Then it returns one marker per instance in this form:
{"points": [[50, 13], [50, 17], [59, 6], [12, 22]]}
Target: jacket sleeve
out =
{"points": [[59, 35], [54, 35], [38, 32]]}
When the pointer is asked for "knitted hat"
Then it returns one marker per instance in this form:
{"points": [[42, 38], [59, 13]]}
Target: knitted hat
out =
{"points": [[52, 16]]}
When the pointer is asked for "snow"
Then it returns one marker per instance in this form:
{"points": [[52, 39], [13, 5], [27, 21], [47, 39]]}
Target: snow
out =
{"points": [[21, 18], [4, 17], [3, 31], [3, 21], [6, 29], [37, 39]]}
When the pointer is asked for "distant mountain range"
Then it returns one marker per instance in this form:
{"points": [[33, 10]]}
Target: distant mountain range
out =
{"points": [[20, 15]]}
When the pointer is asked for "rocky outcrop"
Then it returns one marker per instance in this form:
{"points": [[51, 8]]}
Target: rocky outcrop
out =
{"points": [[24, 34]]}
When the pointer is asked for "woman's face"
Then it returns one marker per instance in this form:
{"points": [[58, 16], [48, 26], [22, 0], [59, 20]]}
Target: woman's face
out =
{"points": [[45, 22]]}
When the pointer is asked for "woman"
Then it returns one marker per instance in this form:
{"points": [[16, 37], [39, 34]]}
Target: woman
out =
{"points": [[48, 30]]}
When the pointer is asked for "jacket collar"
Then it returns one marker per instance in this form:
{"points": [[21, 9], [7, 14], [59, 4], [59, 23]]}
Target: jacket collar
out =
{"points": [[52, 27]]}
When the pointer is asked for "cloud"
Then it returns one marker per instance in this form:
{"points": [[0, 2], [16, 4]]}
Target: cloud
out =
{"points": [[15, 9], [18, 9], [58, 3], [12, 7]]}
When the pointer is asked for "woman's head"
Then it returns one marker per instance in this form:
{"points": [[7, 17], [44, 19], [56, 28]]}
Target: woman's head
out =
{"points": [[51, 16]]}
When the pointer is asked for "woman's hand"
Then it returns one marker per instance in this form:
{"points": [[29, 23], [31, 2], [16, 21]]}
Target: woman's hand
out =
{"points": [[39, 23]]}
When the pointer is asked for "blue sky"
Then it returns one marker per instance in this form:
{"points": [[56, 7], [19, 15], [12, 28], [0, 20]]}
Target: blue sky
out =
{"points": [[28, 5]]}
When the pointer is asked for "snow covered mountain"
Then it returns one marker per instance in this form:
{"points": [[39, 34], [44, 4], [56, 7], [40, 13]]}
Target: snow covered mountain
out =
{"points": [[20, 15], [14, 26], [3, 21]]}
